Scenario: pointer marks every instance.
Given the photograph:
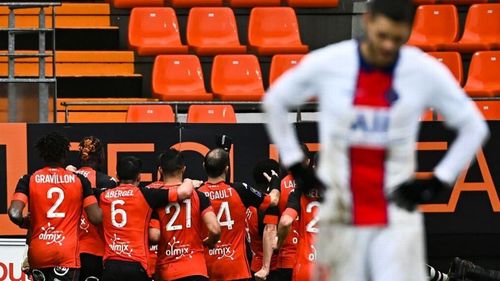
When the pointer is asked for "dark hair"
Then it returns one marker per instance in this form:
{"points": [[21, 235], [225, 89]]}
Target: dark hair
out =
{"points": [[396, 10], [171, 161], [128, 168], [91, 150], [216, 162], [264, 166], [53, 147]]}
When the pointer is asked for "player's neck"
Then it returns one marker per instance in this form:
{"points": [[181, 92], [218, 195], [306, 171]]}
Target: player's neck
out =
{"points": [[368, 56], [217, 179], [129, 182], [172, 180]]}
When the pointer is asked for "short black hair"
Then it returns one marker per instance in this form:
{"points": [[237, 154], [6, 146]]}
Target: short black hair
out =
{"points": [[53, 147], [91, 150], [171, 161], [216, 162], [396, 10], [128, 168], [264, 166]]}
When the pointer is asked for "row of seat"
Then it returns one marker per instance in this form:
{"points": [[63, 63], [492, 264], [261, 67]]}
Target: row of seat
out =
{"points": [[196, 114], [213, 30], [210, 113], [234, 77], [436, 28], [232, 3]]}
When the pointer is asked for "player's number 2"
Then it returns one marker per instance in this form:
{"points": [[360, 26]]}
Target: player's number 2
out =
{"points": [[115, 211], [51, 213], [177, 207], [311, 226]]}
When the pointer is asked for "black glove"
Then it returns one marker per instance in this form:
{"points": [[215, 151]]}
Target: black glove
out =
{"points": [[417, 191], [305, 178], [224, 142]]}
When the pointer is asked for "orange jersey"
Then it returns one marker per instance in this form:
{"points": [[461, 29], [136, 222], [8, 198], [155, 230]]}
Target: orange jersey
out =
{"points": [[56, 199], [287, 255], [255, 222], [153, 249], [228, 260], [181, 253], [91, 237], [127, 213], [306, 207]]}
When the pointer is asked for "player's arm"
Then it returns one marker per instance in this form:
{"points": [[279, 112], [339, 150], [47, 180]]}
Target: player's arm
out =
{"points": [[288, 217], [268, 239], [90, 205], [154, 231], [210, 221], [158, 198], [19, 202], [252, 197], [292, 89], [104, 182]]}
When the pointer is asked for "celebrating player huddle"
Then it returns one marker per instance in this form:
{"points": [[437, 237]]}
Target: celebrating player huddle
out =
{"points": [[85, 225]]}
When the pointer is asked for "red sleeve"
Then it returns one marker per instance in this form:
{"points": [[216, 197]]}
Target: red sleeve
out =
{"points": [[271, 216], [89, 200], [265, 203], [154, 223], [291, 212], [21, 197]]}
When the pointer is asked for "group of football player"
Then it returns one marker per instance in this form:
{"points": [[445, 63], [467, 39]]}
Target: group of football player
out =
{"points": [[85, 225]]}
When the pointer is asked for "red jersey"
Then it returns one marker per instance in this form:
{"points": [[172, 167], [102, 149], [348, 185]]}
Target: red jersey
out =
{"points": [[306, 208], [256, 222], [228, 260], [154, 223], [127, 213], [91, 237], [56, 201], [287, 255], [181, 251]]}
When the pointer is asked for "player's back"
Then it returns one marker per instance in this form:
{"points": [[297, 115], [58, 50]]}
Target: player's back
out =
{"points": [[126, 216], [91, 237], [181, 251], [227, 261], [286, 257], [55, 206], [308, 229]]}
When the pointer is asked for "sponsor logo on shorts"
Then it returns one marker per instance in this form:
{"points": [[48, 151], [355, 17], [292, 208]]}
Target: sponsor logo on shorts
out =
{"points": [[222, 251], [120, 247], [51, 236]]}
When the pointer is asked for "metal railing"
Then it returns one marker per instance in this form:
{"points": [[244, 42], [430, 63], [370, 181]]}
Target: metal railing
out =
{"points": [[253, 106], [42, 56]]}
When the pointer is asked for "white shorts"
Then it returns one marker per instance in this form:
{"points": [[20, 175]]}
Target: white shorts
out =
{"points": [[392, 253]]}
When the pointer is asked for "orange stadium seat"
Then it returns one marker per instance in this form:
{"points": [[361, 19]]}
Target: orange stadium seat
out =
{"points": [[195, 3], [481, 31], [237, 78], [123, 4], [212, 31], [453, 61], [211, 114], [312, 3], [253, 3], [280, 64], [275, 30], [489, 109], [180, 78], [434, 25], [154, 31], [150, 113], [483, 79]]}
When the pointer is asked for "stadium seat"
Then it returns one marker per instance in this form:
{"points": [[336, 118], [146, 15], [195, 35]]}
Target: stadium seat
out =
{"points": [[481, 31], [150, 113], [179, 78], [483, 79], [489, 109], [237, 78], [154, 31], [275, 31], [195, 3], [211, 114], [280, 64], [312, 3], [124, 4], [453, 61], [212, 31], [253, 3], [434, 25]]}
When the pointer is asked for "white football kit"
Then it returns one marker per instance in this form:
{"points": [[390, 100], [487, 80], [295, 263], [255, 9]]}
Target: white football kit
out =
{"points": [[368, 127]]}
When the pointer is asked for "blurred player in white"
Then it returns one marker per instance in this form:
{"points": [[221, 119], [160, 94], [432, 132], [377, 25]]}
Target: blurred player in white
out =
{"points": [[371, 94]]}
